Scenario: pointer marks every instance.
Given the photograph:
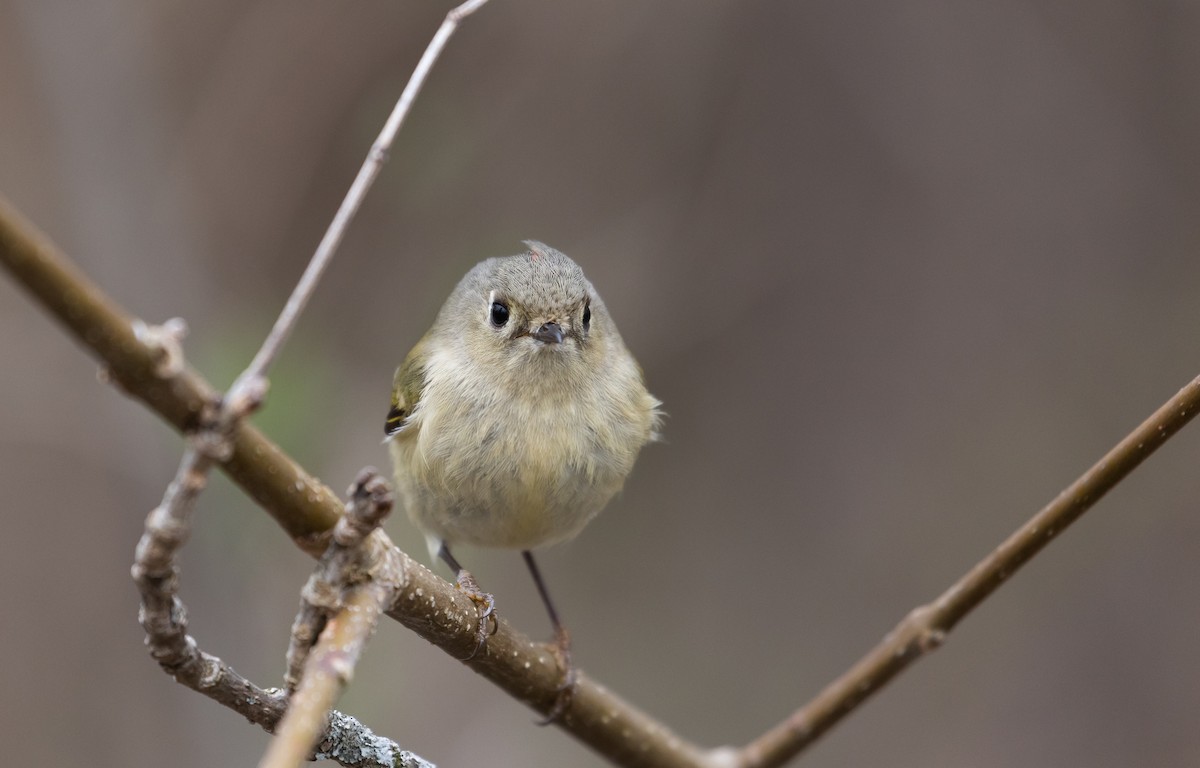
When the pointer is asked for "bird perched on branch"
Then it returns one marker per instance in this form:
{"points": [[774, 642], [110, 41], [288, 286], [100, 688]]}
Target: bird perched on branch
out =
{"points": [[516, 418]]}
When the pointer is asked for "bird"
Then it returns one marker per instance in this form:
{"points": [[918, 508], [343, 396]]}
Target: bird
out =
{"points": [[516, 419]]}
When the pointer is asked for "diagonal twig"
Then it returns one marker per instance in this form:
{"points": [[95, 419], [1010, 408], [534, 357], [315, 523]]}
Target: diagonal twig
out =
{"points": [[926, 627], [329, 669], [350, 204], [341, 604]]}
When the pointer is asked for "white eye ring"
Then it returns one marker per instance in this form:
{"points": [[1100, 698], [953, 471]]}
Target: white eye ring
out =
{"points": [[498, 312]]}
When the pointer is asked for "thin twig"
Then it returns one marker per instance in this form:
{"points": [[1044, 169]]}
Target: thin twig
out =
{"points": [[353, 200], [926, 627], [348, 561], [329, 669], [340, 608]]}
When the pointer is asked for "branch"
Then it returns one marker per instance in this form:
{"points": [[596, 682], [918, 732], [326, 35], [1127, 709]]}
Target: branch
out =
{"points": [[164, 617], [340, 608], [330, 668], [357, 612], [350, 204], [304, 507], [926, 627], [437, 611], [307, 510], [429, 605]]}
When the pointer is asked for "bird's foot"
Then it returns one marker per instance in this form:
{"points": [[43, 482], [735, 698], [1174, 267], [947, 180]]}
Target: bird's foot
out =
{"points": [[486, 605], [561, 647]]}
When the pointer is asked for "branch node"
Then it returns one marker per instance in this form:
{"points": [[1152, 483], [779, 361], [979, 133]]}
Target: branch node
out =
{"points": [[370, 502], [165, 343], [378, 154], [212, 436], [213, 669], [219, 418], [244, 398], [723, 757], [931, 639], [920, 631], [350, 560], [460, 12]]}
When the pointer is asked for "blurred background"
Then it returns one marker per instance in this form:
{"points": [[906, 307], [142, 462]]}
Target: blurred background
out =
{"points": [[898, 271]]}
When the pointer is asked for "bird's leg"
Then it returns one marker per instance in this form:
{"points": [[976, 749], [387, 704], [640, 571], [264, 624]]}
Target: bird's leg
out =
{"points": [[484, 601], [562, 646]]}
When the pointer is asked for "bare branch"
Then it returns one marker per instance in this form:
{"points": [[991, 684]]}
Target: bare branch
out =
{"points": [[926, 627], [336, 231], [307, 510], [341, 605], [303, 506], [346, 563], [164, 617], [329, 669], [434, 609]]}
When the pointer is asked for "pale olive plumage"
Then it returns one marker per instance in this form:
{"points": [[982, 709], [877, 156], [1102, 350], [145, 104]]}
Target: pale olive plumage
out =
{"points": [[516, 434]]}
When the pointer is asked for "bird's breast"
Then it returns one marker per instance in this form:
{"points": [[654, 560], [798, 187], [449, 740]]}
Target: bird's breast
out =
{"points": [[506, 468]]}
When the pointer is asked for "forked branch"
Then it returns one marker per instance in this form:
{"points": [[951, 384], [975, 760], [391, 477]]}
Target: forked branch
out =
{"points": [[164, 618], [438, 612]]}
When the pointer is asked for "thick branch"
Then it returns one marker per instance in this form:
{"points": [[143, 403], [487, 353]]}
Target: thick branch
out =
{"points": [[301, 504]]}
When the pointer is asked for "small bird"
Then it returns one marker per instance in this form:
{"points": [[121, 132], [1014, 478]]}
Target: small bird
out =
{"points": [[516, 418]]}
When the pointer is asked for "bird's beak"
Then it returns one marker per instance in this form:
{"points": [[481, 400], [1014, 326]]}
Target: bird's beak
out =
{"points": [[549, 333]]}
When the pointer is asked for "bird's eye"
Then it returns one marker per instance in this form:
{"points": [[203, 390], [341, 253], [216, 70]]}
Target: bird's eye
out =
{"points": [[499, 314], [587, 316]]}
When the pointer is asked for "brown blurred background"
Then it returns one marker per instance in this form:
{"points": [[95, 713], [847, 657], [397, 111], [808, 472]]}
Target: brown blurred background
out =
{"points": [[899, 272]]}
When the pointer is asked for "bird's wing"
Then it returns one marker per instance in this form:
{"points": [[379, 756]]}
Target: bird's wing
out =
{"points": [[406, 391]]}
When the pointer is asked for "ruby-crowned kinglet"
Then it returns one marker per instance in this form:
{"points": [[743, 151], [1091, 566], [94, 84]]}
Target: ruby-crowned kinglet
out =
{"points": [[518, 415]]}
